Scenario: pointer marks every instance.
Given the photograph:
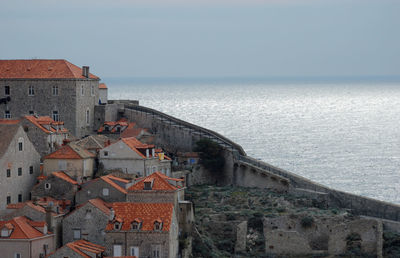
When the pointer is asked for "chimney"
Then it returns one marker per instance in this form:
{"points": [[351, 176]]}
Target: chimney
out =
{"points": [[49, 218], [85, 71]]}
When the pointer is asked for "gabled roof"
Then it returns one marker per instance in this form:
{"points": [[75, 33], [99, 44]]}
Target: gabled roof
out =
{"points": [[40, 205], [136, 145], [160, 183], [65, 177], [70, 151], [7, 133], [101, 205], [111, 180], [102, 86], [127, 212], [40, 69], [23, 228], [93, 142], [41, 121], [82, 247]]}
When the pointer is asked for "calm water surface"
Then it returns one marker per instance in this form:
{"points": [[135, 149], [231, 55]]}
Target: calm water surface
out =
{"points": [[345, 136]]}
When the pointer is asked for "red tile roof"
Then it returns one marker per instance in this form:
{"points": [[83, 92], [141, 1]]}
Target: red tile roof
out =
{"points": [[102, 86], [9, 122], [70, 151], [136, 145], [40, 205], [82, 247], [46, 120], [160, 183], [127, 212], [23, 228], [40, 69], [109, 179], [65, 177], [101, 205]]}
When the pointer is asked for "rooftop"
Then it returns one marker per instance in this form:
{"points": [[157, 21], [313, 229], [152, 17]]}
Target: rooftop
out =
{"points": [[23, 228], [41, 69], [160, 182], [47, 124], [70, 151]]}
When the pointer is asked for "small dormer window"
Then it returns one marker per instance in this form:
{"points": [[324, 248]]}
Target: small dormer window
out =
{"points": [[147, 185], [106, 128], [5, 232], [117, 226], [157, 225], [106, 191], [47, 186], [136, 224]]}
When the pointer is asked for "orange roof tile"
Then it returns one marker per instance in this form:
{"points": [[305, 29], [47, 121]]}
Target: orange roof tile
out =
{"points": [[70, 151], [83, 246], [160, 183], [147, 212], [109, 179], [24, 228], [40, 69], [65, 177], [101, 205], [9, 122], [102, 86], [134, 144], [45, 120]]}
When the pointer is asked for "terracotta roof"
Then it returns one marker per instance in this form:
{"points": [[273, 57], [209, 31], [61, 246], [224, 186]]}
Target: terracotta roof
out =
{"points": [[40, 205], [70, 151], [102, 86], [122, 124], [23, 228], [41, 121], [93, 142], [40, 69], [135, 145], [101, 205], [65, 177], [82, 247], [160, 183], [9, 121], [127, 212], [7, 133], [110, 180]]}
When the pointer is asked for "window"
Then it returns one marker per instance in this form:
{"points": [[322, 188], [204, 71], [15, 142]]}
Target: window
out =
{"points": [[92, 90], [17, 255], [19, 171], [156, 251], [8, 199], [62, 165], [77, 233], [7, 90], [147, 185], [117, 226], [31, 112], [4, 232], [136, 225], [117, 250], [20, 146], [82, 91], [55, 90], [157, 225], [31, 91], [47, 186], [135, 251], [19, 197], [87, 116], [31, 170], [106, 192], [7, 114], [55, 115], [8, 172], [105, 154]]}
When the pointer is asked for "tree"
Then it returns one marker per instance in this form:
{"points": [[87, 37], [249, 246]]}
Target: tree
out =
{"points": [[211, 154]]}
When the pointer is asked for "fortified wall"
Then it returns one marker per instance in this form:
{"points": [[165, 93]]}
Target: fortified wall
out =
{"points": [[240, 169]]}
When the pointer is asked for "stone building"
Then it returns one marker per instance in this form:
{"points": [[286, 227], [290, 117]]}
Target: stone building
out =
{"points": [[19, 163], [54, 88], [88, 221], [142, 230], [109, 188], [45, 133], [57, 185], [22, 237], [103, 93], [73, 160], [131, 156], [94, 143], [79, 249]]}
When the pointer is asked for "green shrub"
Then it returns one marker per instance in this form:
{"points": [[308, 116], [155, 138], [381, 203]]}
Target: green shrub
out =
{"points": [[211, 155], [307, 221]]}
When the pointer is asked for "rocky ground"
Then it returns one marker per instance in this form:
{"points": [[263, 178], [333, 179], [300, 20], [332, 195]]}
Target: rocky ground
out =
{"points": [[218, 211]]}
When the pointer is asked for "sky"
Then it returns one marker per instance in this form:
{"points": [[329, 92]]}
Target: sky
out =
{"points": [[219, 38]]}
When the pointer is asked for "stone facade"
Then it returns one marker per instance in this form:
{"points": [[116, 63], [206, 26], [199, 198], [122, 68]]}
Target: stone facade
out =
{"points": [[75, 94], [89, 220], [56, 188], [26, 247], [96, 189], [19, 169]]}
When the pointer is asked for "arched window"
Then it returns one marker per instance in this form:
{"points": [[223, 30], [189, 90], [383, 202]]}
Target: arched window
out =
{"points": [[20, 144], [136, 224]]}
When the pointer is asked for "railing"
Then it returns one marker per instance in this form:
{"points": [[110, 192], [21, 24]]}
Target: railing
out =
{"points": [[220, 139]]}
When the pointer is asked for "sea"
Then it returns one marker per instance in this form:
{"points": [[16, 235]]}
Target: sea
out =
{"points": [[344, 134]]}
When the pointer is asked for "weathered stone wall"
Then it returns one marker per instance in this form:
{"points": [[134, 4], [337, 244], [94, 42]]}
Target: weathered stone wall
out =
{"points": [[26, 248], [94, 189], [59, 189], [90, 220], [75, 168], [13, 159], [67, 252]]}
